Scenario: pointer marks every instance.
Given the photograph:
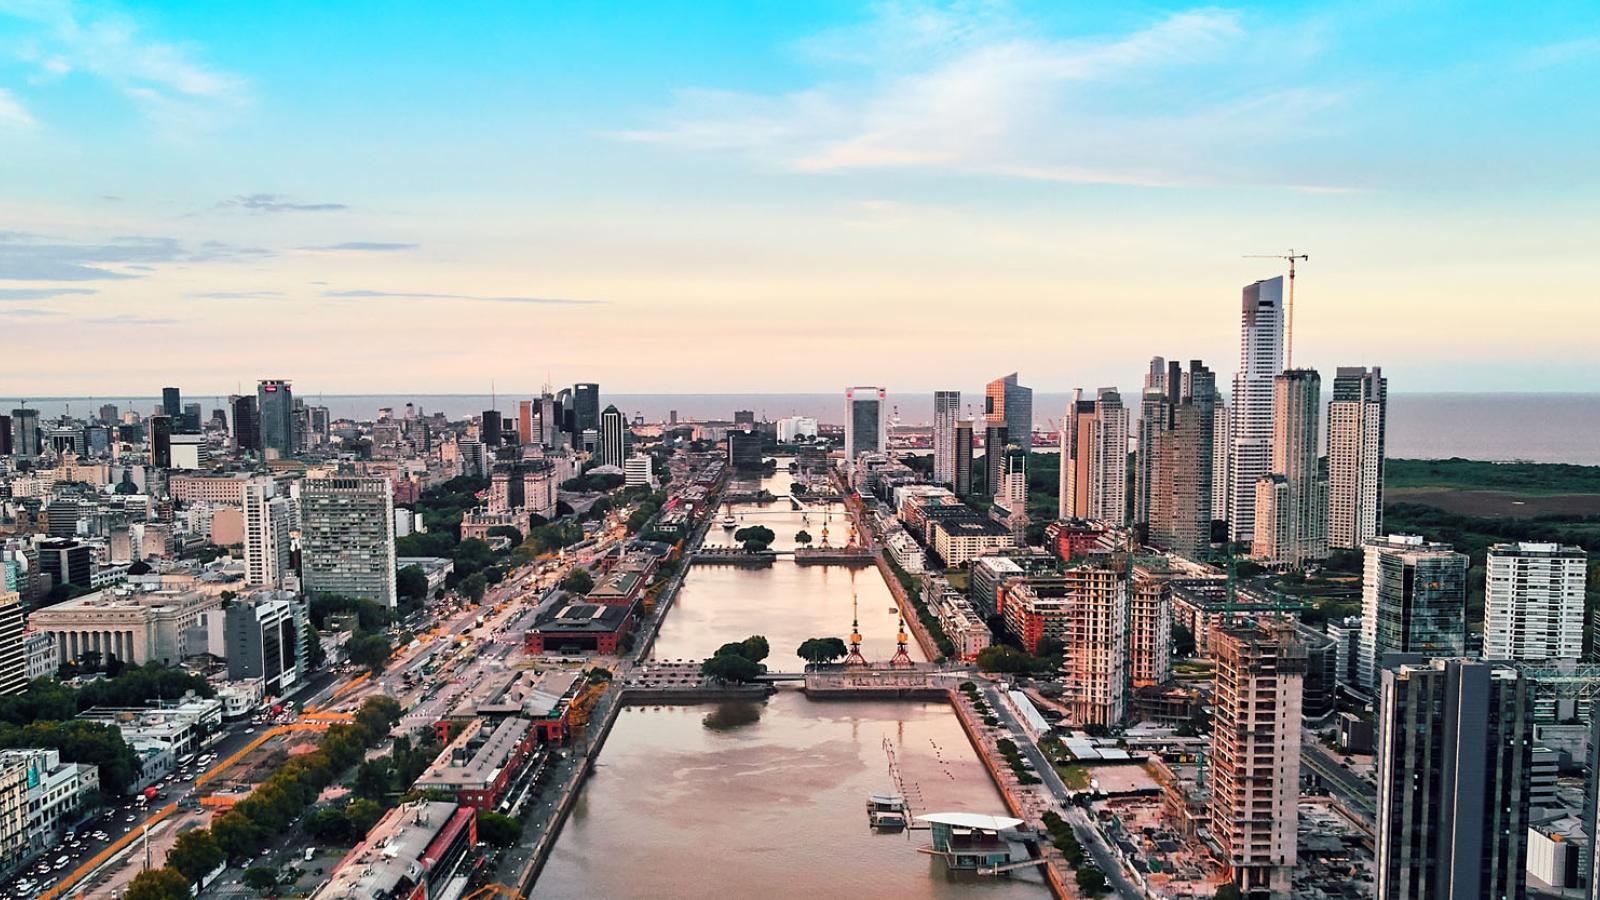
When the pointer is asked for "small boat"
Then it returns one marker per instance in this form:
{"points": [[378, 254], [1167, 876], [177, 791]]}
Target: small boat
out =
{"points": [[886, 811], [729, 522]]}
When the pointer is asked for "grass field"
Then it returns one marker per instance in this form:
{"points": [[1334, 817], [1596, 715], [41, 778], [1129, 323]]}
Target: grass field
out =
{"points": [[1508, 504], [1475, 475]]}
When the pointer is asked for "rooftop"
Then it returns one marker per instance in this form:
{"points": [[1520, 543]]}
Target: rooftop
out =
{"points": [[474, 759]]}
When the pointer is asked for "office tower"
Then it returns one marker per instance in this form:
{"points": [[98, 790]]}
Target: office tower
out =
{"points": [[191, 418], [1094, 458], [524, 422], [744, 419], [744, 451], [1533, 602], [5, 436], [962, 454], [1455, 746], [1011, 404], [160, 441], [302, 425], [1221, 456], [866, 428], [347, 537], [613, 437], [1591, 805], [13, 655], [1095, 634], [1255, 753], [585, 411], [275, 413], [108, 413], [266, 535], [267, 639], [318, 421], [26, 439], [1413, 600], [171, 403], [1011, 490], [995, 440], [564, 408], [246, 428], [1260, 361], [489, 428], [1179, 445], [946, 410], [1357, 418], [1156, 378], [1152, 420], [1292, 501], [549, 420]]}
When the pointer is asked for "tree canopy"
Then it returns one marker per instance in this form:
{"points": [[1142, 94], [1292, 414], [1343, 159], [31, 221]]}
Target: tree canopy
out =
{"points": [[578, 581], [195, 854], [755, 537], [165, 883], [730, 667], [498, 830], [822, 650]]}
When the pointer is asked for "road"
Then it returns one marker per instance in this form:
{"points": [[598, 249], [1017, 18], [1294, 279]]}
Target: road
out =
{"points": [[1357, 793]]}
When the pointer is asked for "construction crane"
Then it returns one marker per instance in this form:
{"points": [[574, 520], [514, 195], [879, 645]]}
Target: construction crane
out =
{"points": [[1288, 310]]}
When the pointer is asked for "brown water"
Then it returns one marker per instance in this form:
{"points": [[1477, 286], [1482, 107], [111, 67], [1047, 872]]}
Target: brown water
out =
{"points": [[768, 799]]}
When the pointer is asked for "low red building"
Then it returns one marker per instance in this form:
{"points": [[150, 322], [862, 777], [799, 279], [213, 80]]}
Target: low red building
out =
{"points": [[581, 627], [481, 762]]}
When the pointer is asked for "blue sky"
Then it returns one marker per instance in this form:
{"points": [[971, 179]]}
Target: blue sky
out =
{"points": [[706, 196]]}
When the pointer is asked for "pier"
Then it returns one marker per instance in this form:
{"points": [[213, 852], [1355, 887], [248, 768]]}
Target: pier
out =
{"points": [[732, 556]]}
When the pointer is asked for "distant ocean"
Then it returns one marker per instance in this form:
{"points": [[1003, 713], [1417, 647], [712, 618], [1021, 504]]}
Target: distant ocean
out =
{"points": [[1533, 427]]}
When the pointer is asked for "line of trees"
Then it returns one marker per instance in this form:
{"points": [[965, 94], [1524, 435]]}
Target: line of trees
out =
{"points": [[737, 661]]}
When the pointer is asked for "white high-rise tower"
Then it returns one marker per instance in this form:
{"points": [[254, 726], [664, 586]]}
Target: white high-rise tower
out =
{"points": [[1260, 361], [946, 410]]}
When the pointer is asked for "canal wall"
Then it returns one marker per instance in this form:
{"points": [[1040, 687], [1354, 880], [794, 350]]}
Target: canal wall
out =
{"points": [[689, 696], [1052, 872]]}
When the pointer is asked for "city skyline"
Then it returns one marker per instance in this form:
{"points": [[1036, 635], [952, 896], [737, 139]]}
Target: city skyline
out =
{"points": [[629, 177]]}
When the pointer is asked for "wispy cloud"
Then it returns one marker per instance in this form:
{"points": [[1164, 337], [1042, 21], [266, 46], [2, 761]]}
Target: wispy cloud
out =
{"points": [[269, 203], [235, 295], [27, 313], [416, 295], [166, 80], [9, 294], [361, 247], [126, 319], [975, 89], [31, 257], [12, 112], [1561, 53]]}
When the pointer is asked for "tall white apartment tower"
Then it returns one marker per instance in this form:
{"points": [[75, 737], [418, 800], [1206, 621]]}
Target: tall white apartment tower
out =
{"points": [[266, 535], [1533, 602], [1094, 458], [1292, 501], [866, 422], [1357, 417], [1260, 361], [946, 410]]}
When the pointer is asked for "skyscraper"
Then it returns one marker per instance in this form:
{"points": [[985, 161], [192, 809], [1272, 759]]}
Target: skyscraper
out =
{"points": [[613, 437], [1357, 419], [1095, 633], [996, 437], [26, 439], [160, 441], [347, 537], [1455, 749], [866, 427], [1179, 444], [172, 403], [946, 410], [1260, 361], [1094, 458], [1413, 600], [1533, 602], [489, 428], [266, 535], [963, 458], [275, 412], [1292, 501], [1010, 404], [1255, 753], [13, 656], [549, 420], [585, 411], [524, 422]]}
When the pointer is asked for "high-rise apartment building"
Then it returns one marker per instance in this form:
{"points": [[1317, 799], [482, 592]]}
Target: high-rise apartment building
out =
{"points": [[13, 652], [1152, 419], [267, 557], [1221, 455], [613, 437], [1413, 600], [963, 458], [1260, 361], [1292, 501], [1255, 754], [1455, 748], [946, 410], [1357, 419], [1533, 602], [1150, 620], [996, 437], [347, 537], [268, 637], [1008, 403], [275, 412], [1094, 670], [1094, 458], [1179, 444], [866, 418]]}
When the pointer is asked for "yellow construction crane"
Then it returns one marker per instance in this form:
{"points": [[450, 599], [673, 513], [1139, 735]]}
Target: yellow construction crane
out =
{"points": [[1288, 309]]}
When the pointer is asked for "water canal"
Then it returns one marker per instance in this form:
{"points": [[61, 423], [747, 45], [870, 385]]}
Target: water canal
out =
{"points": [[766, 799]]}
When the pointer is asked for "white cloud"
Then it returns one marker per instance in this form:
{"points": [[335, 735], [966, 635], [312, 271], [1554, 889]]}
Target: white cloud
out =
{"points": [[969, 88], [12, 112]]}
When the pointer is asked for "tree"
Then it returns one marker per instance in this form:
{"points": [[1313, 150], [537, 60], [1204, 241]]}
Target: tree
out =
{"points": [[498, 830], [730, 667], [822, 650], [755, 537], [165, 883], [412, 584], [260, 878], [370, 650], [373, 779], [802, 537], [578, 581], [328, 826], [755, 648], [1229, 891], [1000, 658], [139, 567], [362, 815], [1091, 880], [1050, 648], [1182, 640], [474, 585], [195, 853]]}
